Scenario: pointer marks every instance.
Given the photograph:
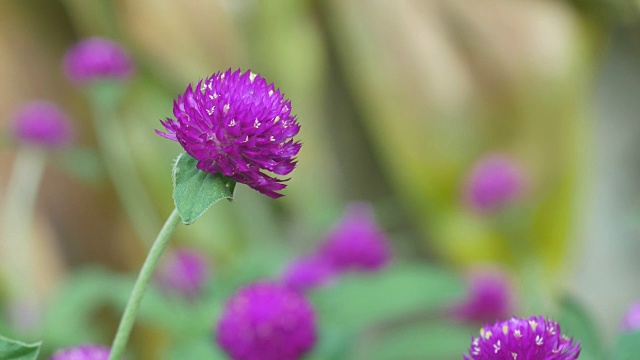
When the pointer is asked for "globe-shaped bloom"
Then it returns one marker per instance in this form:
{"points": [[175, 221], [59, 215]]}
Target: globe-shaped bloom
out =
{"points": [[83, 352], [95, 59], [237, 125], [267, 321], [495, 181], [631, 319], [307, 273], [535, 338], [184, 272], [489, 298], [357, 242], [44, 124]]}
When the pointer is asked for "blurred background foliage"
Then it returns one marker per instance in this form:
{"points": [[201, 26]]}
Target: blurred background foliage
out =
{"points": [[397, 100]]}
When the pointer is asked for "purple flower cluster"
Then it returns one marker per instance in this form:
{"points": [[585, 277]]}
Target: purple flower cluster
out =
{"points": [[83, 352], [184, 272], [267, 321], [95, 59], [307, 273], [631, 319], [489, 297], [495, 181], [43, 123], [535, 338], [238, 125]]}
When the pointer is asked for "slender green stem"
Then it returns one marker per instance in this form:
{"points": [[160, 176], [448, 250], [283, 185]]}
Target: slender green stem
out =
{"points": [[129, 315], [20, 199], [119, 162]]}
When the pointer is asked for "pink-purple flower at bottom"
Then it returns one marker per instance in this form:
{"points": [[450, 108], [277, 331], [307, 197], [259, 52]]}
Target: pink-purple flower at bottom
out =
{"points": [[267, 321], [489, 297], [239, 126], [495, 181], [95, 59], [307, 273], [356, 243], [184, 272], [535, 338], [83, 352], [44, 124], [631, 319]]}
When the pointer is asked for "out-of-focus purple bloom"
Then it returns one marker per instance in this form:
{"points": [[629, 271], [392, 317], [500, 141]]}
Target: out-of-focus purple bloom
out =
{"points": [[239, 126], [184, 272], [489, 297], [95, 59], [495, 181], [307, 273], [631, 319], [267, 321], [44, 124], [356, 243], [83, 352], [535, 338]]}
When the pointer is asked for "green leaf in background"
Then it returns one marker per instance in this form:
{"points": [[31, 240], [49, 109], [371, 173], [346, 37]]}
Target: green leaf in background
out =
{"points": [[194, 191], [200, 348], [627, 346], [575, 322], [17, 350]]}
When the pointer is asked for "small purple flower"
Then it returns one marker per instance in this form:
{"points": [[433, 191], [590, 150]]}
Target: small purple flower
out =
{"points": [[534, 338], [356, 243], [489, 297], [97, 58], [239, 126], [307, 273], [44, 124], [184, 272], [266, 321], [495, 181], [83, 352], [631, 319]]}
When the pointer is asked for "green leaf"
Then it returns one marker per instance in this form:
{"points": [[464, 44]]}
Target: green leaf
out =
{"points": [[627, 346], [575, 322], [194, 191], [17, 350]]}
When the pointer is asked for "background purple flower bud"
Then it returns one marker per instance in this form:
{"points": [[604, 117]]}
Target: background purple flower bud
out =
{"points": [[239, 126], [267, 321], [489, 297], [356, 242], [534, 338], [97, 58], [495, 181], [307, 273], [43, 123], [184, 272], [631, 319], [83, 352]]}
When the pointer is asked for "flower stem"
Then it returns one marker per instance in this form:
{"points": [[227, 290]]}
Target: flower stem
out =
{"points": [[119, 161], [129, 315]]}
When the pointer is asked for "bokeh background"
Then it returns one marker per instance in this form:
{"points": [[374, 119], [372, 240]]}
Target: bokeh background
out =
{"points": [[397, 100]]}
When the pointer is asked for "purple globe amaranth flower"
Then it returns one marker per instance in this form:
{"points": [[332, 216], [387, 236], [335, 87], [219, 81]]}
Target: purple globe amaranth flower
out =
{"points": [[534, 338], [95, 59], [267, 321], [490, 297], [631, 319], [356, 243], [495, 181], [43, 123], [83, 352], [307, 273], [239, 126], [184, 272]]}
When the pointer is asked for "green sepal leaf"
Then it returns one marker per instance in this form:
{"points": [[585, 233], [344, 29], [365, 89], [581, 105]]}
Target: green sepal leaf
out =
{"points": [[194, 191], [17, 350], [627, 346]]}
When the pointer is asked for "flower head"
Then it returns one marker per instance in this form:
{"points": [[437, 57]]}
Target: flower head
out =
{"points": [[97, 58], [307, 273], [267, 321], [83, 352], [184, 272], [44, 124], [631, 319], [535, 338], [495, 181], [356, 242], [489, 297], [239, 126]]}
